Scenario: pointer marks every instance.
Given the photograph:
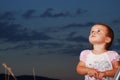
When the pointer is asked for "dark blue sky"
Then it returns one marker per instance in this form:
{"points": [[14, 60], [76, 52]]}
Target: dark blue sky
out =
{"points": [[49, 34]]}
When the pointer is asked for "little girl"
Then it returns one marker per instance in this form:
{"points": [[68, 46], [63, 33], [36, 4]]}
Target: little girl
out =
{"points": [[100, 63]]}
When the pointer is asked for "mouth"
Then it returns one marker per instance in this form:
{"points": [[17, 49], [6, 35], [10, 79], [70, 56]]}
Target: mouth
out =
{"points": [[92, 36]]}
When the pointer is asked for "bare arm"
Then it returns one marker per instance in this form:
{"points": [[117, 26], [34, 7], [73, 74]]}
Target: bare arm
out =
{"points": [[110, 73], [82, 69]]}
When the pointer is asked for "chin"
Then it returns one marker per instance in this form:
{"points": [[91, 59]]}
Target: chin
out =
{"points": [[92, 42]]}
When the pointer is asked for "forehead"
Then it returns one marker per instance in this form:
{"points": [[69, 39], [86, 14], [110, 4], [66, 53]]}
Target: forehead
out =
{"points": [[100, 27]]}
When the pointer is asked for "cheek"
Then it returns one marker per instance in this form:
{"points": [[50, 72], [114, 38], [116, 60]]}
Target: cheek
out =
{"points": [[89, 37]]}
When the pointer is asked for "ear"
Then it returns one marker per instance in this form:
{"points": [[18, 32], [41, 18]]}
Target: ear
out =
{"points": [[108, 40]]}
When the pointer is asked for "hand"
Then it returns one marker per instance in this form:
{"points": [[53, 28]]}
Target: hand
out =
{"points": [[101, 75], [93, 73]]}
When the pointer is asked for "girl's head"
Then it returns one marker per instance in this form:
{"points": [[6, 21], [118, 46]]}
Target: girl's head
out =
{"points": [[101, 34]]}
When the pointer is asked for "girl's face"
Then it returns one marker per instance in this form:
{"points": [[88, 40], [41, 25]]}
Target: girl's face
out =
{"points": [[98, 35]]}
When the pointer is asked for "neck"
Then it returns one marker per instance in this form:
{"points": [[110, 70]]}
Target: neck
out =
{"points": [[98, 49]]}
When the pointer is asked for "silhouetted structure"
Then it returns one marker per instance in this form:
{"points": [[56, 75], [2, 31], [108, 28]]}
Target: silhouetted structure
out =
{"points": [[25, 77]]}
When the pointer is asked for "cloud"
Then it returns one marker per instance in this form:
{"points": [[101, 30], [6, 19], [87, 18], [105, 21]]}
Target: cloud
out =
{"points": [[48, 13], [52, 13], [50, 44], [72, 33], [72, 26], [29, 14], [68, 43], [77, 39], [77, 25], [117, 21], [9, 15], [15, 32], [116, 45], [20, 37], [73, 49], [80, 11]]}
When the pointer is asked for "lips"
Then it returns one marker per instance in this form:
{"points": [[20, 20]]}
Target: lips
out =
{"points": [[93, 36]]}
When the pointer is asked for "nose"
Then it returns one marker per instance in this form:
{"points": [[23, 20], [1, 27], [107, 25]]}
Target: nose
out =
{"points": [[94, 32]]}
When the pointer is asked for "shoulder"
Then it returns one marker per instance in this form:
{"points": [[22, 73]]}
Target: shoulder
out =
{"points": [[83, 55], [85, 52], [112, 53], [114, 56]]}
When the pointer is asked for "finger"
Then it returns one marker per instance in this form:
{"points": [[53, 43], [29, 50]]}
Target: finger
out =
{"points": [[100, 77]]}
